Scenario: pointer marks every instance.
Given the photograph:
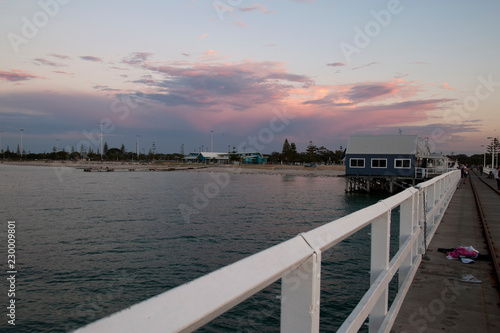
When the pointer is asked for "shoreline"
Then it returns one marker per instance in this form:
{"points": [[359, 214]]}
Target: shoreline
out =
{"points": [[266, 169], [284, 170]]}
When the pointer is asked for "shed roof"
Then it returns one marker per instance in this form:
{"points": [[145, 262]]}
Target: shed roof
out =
{"points": [[386, 144], [218, 156]]}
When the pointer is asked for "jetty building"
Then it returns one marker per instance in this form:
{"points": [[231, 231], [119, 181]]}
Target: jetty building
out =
{"points": [[226, 158], [390, 162]]}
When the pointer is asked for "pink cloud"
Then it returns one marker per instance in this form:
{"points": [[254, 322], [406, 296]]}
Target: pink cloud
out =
{"points": [[64, 73], [18, 75], [238, 97], [42, 61], [336, 64], [240, 24], [203, 36], [381, 118], [256, 7], [91, 58], [238, 86], [137, 58], [355, 94], [60, 56], [445, 85], [370, 64], [210, 53], [104, 88]]}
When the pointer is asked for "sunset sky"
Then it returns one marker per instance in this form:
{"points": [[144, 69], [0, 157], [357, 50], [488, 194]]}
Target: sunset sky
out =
{"points": [[249, 74]]}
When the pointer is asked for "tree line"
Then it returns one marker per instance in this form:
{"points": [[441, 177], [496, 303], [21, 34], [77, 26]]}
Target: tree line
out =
{"points": [[313, 154], [108, 154], [479, 159], [288, 154]]}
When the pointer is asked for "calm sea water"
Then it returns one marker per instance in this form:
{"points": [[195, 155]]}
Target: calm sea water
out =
{"points": [[90, 244]]}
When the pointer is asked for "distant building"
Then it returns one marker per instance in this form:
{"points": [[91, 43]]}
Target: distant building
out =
{"points": [[384, 155], [225, 158], [381, 161], [253, 158], [205, 157]]}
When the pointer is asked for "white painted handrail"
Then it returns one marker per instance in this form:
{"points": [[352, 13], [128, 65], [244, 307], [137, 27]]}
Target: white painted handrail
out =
{"points": [[298, 263]]}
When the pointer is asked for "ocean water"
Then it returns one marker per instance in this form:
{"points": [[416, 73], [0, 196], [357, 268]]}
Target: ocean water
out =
{"points": [[91, 244]]}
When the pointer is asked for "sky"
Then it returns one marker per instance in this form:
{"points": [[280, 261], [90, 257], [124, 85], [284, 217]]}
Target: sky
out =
{"points": [[191, 75]]}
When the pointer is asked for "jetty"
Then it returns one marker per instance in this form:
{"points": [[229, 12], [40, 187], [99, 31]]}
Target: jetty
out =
{"points": [[451, 296]]}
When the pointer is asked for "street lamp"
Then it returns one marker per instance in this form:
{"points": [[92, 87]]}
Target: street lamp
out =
{"points": [[101, 138], [21, 142], [137, 147], [212, 141], [484, 163], [492, 151]]}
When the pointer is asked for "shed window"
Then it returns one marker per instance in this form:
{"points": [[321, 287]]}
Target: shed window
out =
{"points": [[379, 163], [357, 162], [402, 163]]}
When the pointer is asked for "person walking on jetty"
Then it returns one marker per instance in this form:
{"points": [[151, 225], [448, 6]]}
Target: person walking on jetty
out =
{"points": [[464, 171], [497, 177]]}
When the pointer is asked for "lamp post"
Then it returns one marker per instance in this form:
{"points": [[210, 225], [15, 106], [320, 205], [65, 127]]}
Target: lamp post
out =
{"points": [[484, 163], [21, 142], [212, 141], [100, 124], [137, 147], [492, 151]]}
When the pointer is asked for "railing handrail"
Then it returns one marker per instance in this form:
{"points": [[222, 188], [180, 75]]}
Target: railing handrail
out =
{"points": [[298, 262]]}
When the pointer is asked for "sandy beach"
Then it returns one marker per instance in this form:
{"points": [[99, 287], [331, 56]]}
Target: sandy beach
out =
{"points": [[318, 171]]}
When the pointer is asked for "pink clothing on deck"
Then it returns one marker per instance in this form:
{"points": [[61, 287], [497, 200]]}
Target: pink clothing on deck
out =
{"points": [[461, 252]]}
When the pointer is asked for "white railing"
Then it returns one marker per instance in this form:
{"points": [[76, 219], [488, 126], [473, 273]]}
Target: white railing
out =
{"points": [[298, 263], [431, 172]]}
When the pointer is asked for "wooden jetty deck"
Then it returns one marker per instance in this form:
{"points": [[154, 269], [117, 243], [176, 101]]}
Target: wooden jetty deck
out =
{"points": [[438, 301]]}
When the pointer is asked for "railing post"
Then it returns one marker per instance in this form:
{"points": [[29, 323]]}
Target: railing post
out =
{"points": [[431, 204], [422, 212], [380, 246], [408, 219], [300, 297]]}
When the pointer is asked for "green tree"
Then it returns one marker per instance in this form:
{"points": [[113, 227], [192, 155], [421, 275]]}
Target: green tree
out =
{"points": [[285, 152], [114, 154], [275, 157], [233, 157], [311, 153], [293, 155], [105, 149], [337, 156]]}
